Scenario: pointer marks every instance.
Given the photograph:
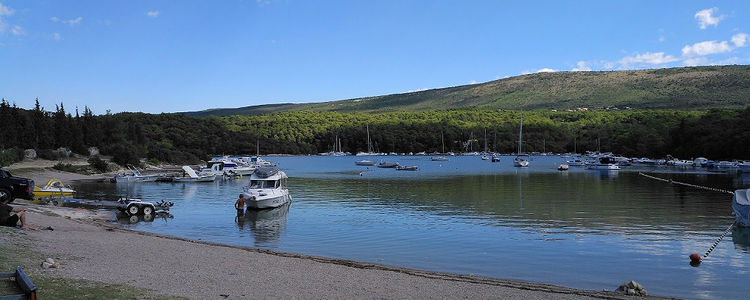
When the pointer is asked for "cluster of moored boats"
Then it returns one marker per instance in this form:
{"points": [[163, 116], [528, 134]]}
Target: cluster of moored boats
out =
{"points": [[609, 161], [267, 188], [216, 168]]}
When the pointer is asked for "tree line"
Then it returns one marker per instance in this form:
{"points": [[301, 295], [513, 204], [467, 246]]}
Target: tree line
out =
{"points": [[128, 137]]}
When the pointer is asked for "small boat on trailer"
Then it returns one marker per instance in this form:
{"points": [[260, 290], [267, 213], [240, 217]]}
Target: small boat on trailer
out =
{"points": [[267, 189]]}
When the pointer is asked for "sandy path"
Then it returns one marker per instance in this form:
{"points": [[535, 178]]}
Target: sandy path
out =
{"points": [[92, 249]]}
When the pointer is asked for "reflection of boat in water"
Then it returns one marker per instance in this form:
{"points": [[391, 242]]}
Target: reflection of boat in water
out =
{"points": [[124, 218], [266, 224], [267, 188], [741, 238], [54, 189]]}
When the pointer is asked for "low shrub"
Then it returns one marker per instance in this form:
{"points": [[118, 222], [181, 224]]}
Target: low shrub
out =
{"points": [[98, 164]]}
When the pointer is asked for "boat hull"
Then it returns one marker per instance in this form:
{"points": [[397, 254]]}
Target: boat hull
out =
{"points": [[209, 178], [604, 167], [38, 194], [270, 201]]}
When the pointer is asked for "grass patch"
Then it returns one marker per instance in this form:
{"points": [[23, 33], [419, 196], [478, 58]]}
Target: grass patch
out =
{"points": [[15, 252]]}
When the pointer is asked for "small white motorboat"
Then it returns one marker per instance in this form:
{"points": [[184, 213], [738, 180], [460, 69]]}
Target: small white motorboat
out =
{"points": [[521, 161], [267, 188], [604, 163], [365, 162], [193, 177], [563, 167]]}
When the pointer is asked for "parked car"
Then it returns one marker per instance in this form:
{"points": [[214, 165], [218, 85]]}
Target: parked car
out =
{"points": [[14, 187]]}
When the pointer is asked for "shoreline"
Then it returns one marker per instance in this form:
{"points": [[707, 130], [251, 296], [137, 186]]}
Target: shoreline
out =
{"points": [[90, 247]]}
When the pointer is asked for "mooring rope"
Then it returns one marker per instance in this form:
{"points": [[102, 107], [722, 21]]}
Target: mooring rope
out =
{"points": [[719, 240], [687, 184]]}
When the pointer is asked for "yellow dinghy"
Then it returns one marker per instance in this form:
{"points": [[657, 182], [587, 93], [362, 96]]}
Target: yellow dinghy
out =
{"points": [[53, 189]]}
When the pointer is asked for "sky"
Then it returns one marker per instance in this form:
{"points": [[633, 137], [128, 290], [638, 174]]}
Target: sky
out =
{"points": [[173, 56]]}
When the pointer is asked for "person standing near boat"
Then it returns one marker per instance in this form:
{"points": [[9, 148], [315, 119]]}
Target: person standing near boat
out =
{"points": [[240, 205]]}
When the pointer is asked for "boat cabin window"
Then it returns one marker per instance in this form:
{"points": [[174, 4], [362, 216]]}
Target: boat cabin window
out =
{"points": [[264, 184]]}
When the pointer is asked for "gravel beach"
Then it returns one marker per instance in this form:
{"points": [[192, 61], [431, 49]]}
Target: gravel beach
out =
{"points": [[90, 246]]}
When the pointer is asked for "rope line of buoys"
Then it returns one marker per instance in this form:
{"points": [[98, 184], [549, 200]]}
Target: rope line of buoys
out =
{"points": [[718, 240], [695, 258], [686, 184]]}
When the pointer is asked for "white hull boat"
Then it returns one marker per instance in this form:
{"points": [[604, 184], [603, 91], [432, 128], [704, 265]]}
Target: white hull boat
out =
{"points": [[194, 177], [604, 163], [267, 189]]}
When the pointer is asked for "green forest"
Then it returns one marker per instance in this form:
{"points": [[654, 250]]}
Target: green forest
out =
{"points": [[176, 138]]}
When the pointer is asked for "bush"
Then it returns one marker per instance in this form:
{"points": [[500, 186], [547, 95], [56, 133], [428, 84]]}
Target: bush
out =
{"points": [[48, 154], [10, 156], [98, 164], [154, 161], [65, 167]]}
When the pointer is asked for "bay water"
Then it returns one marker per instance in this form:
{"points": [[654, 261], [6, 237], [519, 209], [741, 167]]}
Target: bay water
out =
{"points": [[578, 228]]}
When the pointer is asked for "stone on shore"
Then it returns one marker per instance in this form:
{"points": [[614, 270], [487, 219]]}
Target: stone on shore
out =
{"points": [[632, 288]]}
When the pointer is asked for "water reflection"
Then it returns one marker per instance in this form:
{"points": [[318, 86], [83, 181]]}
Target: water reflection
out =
{"points": [[126, 219], [266, 225], [741, 238]]}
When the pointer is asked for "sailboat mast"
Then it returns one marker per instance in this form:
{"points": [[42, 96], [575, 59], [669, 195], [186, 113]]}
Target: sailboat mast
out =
{"points": [[520, 135], [485, 140]]}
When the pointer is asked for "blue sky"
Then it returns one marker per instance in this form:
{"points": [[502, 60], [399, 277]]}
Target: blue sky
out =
{"points": [[170, 56]]}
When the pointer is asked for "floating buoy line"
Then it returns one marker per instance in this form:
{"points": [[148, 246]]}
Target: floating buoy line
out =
{"points": [[695, 258], [686, 184]]}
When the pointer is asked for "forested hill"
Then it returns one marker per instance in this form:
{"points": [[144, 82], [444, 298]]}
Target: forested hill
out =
{"points": [[687, 88]]}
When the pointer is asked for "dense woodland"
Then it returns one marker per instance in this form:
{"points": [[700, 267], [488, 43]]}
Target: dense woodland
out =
{"points": [[127, 137]]}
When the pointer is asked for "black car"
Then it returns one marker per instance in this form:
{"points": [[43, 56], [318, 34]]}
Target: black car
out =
{"points": [[14, 187]]}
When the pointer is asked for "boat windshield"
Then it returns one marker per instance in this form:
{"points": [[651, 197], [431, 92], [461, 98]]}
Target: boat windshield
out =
{"points": [[264, 184]]}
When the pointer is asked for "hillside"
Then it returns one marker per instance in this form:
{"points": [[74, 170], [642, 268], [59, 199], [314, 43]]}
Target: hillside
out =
{"points": [[675, 88]]}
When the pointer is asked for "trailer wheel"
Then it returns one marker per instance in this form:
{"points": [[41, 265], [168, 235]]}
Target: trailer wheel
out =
{"points": [[147, 210], [148, 217], [133, 209]]}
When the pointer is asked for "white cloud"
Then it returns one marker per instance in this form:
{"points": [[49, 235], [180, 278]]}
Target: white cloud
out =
{"points": [[546, 70], [655, 58], [54, 19], [153, 13], [695, 61], [706, 48], [56, 36], [473, 82], [17, 30], [73, 22], [706, 17], [581, 66], [739, 39], [4, 11]]}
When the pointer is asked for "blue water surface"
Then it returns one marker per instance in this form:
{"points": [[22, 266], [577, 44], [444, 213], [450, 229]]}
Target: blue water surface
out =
{"points": [[579, 228]]}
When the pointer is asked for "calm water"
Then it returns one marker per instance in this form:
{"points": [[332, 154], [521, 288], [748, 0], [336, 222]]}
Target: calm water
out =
{"points": [[582, 229]]}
